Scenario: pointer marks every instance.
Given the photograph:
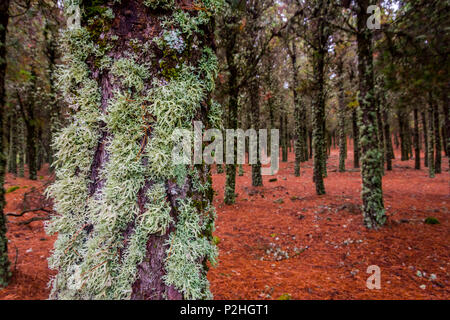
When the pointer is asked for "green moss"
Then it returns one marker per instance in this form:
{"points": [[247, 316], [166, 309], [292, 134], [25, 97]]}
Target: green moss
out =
{"points": [[284, 296], [431, 220], [12, 189]]}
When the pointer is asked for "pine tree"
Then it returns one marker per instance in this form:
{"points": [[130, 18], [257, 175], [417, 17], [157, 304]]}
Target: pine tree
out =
{"points": [[4, 261], [131, 223], [430, 136], [371, 171], [416, 140]]}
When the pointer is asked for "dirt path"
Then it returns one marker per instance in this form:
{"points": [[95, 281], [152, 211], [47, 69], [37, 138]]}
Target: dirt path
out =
{"points": [[283, 240]]}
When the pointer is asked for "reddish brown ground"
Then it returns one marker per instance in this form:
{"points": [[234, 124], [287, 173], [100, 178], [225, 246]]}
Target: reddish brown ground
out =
{"points": [[333, 248]]}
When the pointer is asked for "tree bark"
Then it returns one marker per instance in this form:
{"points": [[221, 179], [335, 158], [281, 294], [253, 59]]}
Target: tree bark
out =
{"points": [[12, 163], [425, 137], [131, 223], [232, 119], [437, 135], [430, 149], [5, 273], [389, 155], [320, 33], [446, 107], [356, 147], [254, 101], [416, 140], [371, 171]]}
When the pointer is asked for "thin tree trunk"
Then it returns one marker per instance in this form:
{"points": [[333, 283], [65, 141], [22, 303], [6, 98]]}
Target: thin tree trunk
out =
{"points": [[356, 146], [232, 120], [416, 140], [437, 137], [12, 163], [425, 137], [341, 130], [254, 102], [21, 149], [430, 149], [388, 140], [446, 107]]}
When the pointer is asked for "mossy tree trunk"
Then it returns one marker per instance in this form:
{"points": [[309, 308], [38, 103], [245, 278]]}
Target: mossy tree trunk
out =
{"points": [[255, 124], [402, 125], [230, 36], [425, 137], [4, 261], [12, 161], [299, 115], [356, 147], [320, 32], [381, 141], [21, 148], [437, 135], [131, 223], [416, 140], [27, 111], [430, 136], [389, 152], [341, 119], [446, 107], [371, 170]]}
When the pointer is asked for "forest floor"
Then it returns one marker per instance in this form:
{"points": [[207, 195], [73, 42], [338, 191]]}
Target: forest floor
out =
{"points": [[283, 241]]}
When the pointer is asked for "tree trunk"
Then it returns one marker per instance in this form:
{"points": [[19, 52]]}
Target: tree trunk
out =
{"points": [[31, 148], [416, 140], [232, 119], [381, 141], [437, 137], [341, 130], [402, 123], [5, 273], [356, 146], [21, 149], [310, 139], [425, 137], [430, 149], [12, 163], [254, 101], [446, 107], [371, 171], [320, 34], [131, 223], [389, 154]]}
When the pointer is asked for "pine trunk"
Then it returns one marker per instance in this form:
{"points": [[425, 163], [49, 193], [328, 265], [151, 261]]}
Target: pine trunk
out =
{"points": [[4, 261], [131, 223], [446, 107], [389, 152], [371, 171], [416, 140], [12, 163], [430, 148], [425, 137], [232, 119], [437, 137], [320, 32], [254, 101], [356, 146]]}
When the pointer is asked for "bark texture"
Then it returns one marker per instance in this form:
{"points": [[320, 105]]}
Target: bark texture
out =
{"points": [[371, 170]]}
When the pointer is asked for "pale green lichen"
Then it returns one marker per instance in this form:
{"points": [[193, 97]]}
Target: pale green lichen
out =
{"points": [[93, 258], [187, 250]]}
